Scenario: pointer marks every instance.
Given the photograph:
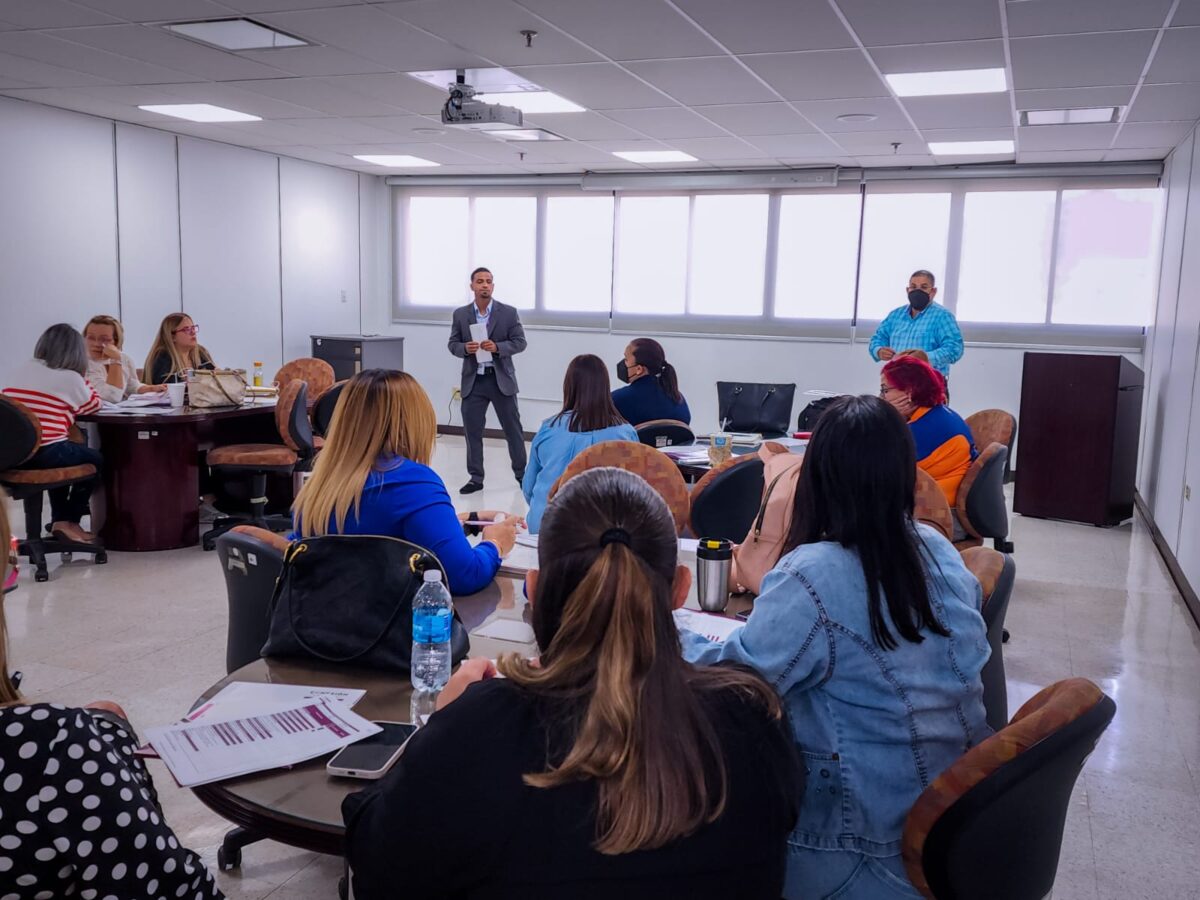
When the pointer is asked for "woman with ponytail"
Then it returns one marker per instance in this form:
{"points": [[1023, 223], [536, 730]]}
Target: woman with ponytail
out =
{"points": [[608, 767], [653, 391]]}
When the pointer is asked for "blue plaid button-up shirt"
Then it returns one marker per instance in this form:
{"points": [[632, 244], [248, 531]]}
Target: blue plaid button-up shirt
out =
{"points": [[934, 330]]}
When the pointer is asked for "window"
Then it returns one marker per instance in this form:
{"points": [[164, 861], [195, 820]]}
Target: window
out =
{"points": [[579, 237], [728, 256], [1004, 273], [817, 262], [901, 233], [1107, 269], [505, 241], [433, 225], [652, 252]]}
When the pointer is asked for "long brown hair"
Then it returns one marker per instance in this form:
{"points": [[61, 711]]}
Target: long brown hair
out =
{"points": [[8, 691], [381, 414], [164, 342], [650, 353], [610, 655], [587, 396]]}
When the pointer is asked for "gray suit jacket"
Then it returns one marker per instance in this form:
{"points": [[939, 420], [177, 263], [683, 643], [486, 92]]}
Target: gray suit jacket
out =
{"points": [[504, 327]]}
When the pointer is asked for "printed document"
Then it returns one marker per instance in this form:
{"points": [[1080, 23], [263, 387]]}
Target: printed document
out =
{"points": [[479, 334]]}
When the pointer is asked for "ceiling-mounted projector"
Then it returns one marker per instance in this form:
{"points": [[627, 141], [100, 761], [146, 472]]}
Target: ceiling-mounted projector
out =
{"points": [[462, 110]]}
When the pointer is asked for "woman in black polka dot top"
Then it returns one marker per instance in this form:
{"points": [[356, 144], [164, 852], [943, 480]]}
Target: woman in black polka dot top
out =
{"points": [[79, 816]]}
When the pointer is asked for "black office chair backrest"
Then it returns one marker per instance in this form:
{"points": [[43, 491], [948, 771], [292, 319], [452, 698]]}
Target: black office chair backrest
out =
{"points": [[664, 433], [250, 566], [981, 494], [322, 412], [724, 506], [20, 434], [291, 418], [996, 573]]}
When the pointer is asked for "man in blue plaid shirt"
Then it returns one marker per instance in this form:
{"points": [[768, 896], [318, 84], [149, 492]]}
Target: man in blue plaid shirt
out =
{"points": [[921, 325]]}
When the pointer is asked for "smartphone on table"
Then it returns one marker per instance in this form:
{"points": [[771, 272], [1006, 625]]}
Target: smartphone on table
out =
{"points": [[372, 756]]}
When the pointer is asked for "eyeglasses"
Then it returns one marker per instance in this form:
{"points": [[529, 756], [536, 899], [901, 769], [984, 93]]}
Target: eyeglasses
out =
{"points": [[886, 389], [188, 329]]}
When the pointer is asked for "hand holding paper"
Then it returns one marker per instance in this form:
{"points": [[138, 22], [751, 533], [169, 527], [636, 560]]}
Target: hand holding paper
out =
{"points": [[479, 335]]}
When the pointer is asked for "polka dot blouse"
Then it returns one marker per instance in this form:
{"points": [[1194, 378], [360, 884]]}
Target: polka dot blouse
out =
{"points": [[79, 816]]}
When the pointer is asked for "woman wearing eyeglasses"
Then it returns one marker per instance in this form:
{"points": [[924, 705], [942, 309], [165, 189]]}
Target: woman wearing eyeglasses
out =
{"points": [[110, 370], [175, 350]]}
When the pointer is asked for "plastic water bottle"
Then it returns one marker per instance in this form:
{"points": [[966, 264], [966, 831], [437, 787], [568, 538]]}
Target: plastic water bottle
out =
{"points": [[258, 374], [433, 614]]}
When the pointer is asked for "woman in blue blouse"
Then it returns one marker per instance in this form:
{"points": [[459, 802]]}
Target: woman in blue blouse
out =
{"points": [[588, 417], [373, 477], [653, 391], [870, 630]]}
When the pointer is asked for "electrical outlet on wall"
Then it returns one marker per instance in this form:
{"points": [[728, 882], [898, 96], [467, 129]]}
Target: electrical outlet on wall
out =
{"points": [[343, 296], [455, 394]]}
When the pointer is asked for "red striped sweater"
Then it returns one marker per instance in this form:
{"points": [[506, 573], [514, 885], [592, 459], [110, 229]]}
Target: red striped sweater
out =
{"points": [[56, 397]]}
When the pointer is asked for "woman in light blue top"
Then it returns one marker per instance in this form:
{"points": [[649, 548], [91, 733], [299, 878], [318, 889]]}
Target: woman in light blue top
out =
{"points": [[588, 417], [870, 630]]}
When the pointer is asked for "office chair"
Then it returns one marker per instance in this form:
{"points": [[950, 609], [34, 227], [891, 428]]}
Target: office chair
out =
{"points": [[996, 573], [251, 559], [322, 411], [664, 433], [990, 827], [994, 426], [20, 439], [656, 468], [979, 502], [930, 506], [257, 461], [317, 373], [726, 499]]}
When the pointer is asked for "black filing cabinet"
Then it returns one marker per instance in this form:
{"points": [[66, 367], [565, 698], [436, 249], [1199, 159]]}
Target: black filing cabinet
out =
{"points": [[351, 353]]}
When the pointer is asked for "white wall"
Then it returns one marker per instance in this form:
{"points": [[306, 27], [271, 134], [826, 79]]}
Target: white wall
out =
{"points": [[1171, 451], [101, 217]]}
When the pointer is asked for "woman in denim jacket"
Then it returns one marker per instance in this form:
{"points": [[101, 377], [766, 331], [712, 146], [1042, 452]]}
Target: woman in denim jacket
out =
{"points": [[870, 630]]}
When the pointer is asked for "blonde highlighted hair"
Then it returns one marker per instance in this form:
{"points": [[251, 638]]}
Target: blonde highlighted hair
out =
{"points": [[8, 691], [381, 414], [164, 342], [109, 322]]}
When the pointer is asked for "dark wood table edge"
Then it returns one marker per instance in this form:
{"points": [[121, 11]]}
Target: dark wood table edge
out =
{"points": [[271, 824], [165, 415]]}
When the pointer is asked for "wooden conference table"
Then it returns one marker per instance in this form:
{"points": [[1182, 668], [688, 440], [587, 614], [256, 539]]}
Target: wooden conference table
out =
{"points": [[151, 471]]}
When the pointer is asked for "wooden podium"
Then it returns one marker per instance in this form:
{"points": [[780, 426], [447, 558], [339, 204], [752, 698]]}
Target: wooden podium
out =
{"points": [[1079, 423]]}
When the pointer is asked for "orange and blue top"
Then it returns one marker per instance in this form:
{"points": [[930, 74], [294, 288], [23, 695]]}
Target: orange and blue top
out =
{"points": [[944, 446]]}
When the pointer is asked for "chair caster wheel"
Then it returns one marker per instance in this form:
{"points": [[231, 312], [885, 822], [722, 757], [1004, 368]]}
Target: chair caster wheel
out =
{"points": [[39, 575], [1005, 636], [229, 860], [68, 556], [101, 558]]}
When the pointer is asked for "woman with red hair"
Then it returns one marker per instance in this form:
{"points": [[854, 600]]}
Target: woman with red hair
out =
{"points": [[944, 446]]}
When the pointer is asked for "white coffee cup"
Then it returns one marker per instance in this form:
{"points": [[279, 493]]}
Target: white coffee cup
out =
{"points": [[175, 394]]}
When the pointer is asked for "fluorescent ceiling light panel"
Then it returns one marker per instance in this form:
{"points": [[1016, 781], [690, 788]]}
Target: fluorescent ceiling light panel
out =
{"points": [[1090, 116], [533, 102], [235, 34], [970, 148], [201, 112], [526, 134], [936, 84], [653, 156], [398, 162]]}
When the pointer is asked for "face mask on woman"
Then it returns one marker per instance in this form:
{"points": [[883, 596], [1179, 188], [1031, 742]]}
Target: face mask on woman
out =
{"points": [[622, 372]]}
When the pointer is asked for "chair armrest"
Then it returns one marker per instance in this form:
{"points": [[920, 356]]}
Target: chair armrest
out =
{"points": [[271, 538]]}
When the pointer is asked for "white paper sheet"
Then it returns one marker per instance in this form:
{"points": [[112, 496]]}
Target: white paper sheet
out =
{"points": [[506, 630], [715, 628], [249, 698], [479, 334], [525, 539]]}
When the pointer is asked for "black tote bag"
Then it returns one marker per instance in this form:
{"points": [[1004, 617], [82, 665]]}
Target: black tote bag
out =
{"points": [[347, 599], [764, 409]]}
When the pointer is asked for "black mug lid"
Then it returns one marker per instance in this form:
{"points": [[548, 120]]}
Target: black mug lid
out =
{"points": [[714, 548]]}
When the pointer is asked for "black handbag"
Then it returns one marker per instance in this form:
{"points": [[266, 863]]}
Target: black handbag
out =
{"points": [[811, 414], [345, 598], [764, 409]]}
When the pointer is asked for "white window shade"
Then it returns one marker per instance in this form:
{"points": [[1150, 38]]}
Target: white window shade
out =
{"points": [[652, 253], [579, 254], [728, 255], [817, 262], [505, 241], [431, 225], [901, 233], [1007, 240]]}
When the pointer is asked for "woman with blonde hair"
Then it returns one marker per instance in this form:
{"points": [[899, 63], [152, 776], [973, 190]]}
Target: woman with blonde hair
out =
{"points": [[175, 350], [373, 477], [109, 369], [81, 816], [610, 767]]}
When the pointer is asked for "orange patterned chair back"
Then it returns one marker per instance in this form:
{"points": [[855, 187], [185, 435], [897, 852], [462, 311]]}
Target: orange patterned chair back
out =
{"points": [[317, 373], [930, 506], [655, 467], [992, 426], [980, 502], [991, 825]]}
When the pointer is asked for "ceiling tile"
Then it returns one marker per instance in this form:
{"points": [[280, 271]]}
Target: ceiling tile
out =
{"points": [[756, 118], [397, 90], [765, 162], [258, 6], [818, 74], [796, 146], [157, 10], [1138, 154], [921, 21], [724, 147], [950, 56], [71, 98], [492, 28], [1060, 156], [627, 29], [877, 162], [1075, 16], [1075, 98], [703, 81], [18, 72], [46, 49], [1137, 135], [824, 114], [879, 143], [1187, 13], [1166, 103], [1178, 57], [50, 14], [340, 130], [313, 61], [439, 153], [967, 134], [963, 111], [319, 94], [1080, 60], [595, 85], [401, 127], [669, 122], [371, 33], [775, 25], [585, 126], [614, 146], [233, 97], [1065, 137]]}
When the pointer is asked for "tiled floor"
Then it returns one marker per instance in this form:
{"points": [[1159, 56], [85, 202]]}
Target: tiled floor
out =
{"points": [[148, 631]]}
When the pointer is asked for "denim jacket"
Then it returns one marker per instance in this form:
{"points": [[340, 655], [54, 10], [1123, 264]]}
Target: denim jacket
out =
{"points": [[874, 726]]}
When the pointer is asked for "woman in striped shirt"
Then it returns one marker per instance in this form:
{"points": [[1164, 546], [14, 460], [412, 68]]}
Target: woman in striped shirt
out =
{"points": [[53, 387]]}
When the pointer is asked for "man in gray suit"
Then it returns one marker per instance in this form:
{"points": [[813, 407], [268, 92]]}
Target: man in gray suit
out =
{"points": [[493, 382]]}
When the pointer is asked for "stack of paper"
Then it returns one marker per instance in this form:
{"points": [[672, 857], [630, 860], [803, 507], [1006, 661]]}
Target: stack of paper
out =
{"points": [[714, 627]]}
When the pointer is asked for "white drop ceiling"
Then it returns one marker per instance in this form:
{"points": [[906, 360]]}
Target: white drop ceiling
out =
{"points": [[736, 83]]}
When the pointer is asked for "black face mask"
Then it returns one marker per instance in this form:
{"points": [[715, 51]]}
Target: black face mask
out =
{"points": [[623, 372], [918, 299]]}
